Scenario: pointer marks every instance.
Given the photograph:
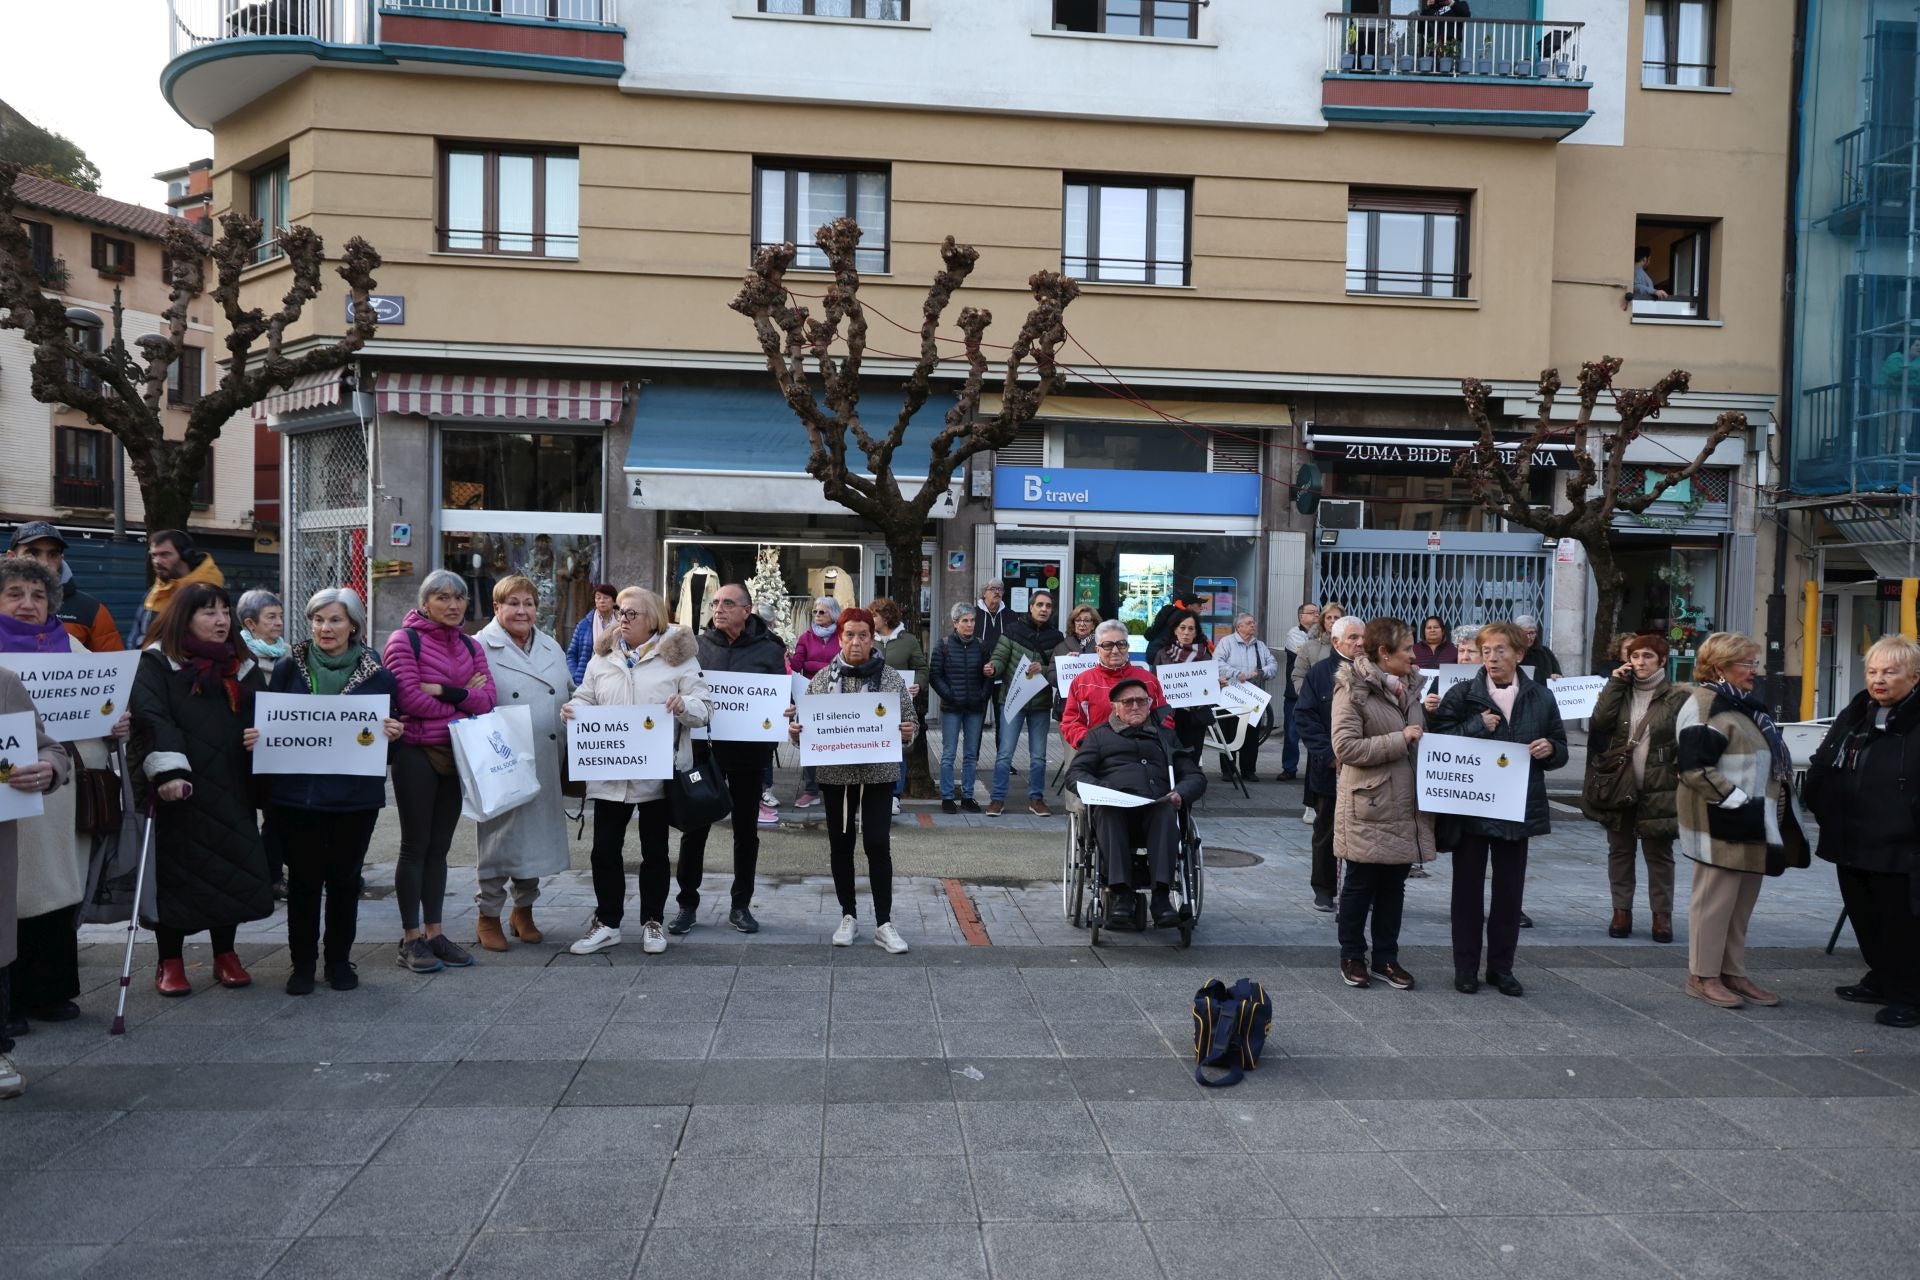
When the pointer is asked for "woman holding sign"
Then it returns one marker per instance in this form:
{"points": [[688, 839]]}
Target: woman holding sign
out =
{"points": [[1187, 645], [42, 767], [642, 662], [327, 820], [858, 795], [192, 730]]}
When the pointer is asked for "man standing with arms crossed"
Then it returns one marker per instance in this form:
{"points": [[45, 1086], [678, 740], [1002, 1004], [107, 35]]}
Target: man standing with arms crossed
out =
{"points": [[737, 641]]}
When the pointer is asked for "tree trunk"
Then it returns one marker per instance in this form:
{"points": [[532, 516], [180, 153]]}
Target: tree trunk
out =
{"points": [[1607, 580], [903, 546], [168, 504]]}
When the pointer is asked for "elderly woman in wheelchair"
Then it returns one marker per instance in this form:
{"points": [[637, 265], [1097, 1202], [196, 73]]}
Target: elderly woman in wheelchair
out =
{"points": [[1135, 754]]}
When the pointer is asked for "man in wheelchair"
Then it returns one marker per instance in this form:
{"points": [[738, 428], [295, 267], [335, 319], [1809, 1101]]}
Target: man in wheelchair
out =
{"points": [[1135, 754]]}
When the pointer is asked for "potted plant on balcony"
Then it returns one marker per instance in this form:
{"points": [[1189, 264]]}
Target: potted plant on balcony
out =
{"points": [[1483, 61], [1351, 58]]}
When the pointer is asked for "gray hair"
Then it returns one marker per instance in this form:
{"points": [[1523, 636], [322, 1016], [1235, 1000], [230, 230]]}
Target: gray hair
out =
{"points": [[833, 606], [442, 582], [254, 603], [1465, 635], [16, 567], [1239, 618], [961, 609], [1346, 624], [347, 598], [1526, 622], [1112, 626], [993, 584]]}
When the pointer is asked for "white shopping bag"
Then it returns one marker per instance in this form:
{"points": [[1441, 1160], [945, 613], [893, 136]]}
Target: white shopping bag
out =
{"points": [[493, 754]]}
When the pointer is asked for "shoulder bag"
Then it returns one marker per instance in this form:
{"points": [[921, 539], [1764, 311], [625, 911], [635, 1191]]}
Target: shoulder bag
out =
{"points": [[697, 796], [1610, 784]]}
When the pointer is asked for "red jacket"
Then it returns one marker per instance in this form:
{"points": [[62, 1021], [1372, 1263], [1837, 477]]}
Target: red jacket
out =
{"points": [[1089, 699]]}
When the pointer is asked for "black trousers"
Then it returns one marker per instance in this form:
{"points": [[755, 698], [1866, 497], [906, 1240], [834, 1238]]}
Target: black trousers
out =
{"points": [[429, 806], [1880, 907], [172, 943], [325, 852], [1471, 855], [46, 972], [1118, 832], [273, 836], [6, 1007], [1326, 868], [609, 867], [743, 784], [1380, 890], [849, 808]]}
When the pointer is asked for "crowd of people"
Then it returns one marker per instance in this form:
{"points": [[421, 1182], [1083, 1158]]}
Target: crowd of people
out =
{"points": [[1700, 770]]}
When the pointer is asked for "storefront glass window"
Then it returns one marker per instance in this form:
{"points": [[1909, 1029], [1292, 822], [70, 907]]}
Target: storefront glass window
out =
{"points": [[1113, 446], [784, 578], [1427, 502], [511, 471], [1132, 576], [564, 566]]}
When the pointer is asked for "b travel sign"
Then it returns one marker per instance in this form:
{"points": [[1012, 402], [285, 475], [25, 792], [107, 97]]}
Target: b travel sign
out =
{"points": [[1146, 492]]}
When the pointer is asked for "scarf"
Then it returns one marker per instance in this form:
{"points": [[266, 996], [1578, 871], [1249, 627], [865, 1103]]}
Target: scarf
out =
{"points": [[633, 657], [34, 637], [869, 671], [261, 649], [1175, 654], [1755, 710], [1651, 684], [825, 630], [207, 661], [329, 673]]}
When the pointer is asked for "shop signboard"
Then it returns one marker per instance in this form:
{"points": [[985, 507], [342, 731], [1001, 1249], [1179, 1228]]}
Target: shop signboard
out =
{"points": [[1138, 492]]}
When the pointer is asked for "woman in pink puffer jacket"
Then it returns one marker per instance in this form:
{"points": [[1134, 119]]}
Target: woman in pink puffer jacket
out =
{"points": [[442, 675], [813, 653]]}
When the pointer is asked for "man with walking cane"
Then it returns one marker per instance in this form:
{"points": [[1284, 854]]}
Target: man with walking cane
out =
{"points": [[44, 771]]}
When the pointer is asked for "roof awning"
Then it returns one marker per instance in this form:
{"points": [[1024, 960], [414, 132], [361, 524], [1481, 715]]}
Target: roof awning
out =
{"points": [[1105, 408], [308, 391], [480, 395]]}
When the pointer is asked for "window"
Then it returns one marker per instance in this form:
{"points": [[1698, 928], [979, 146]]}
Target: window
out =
{"points": [[82, 475], [203, 487], [1119, 446], [514, 471], [112, 256], [183, 377], [873, 10], [1168, 19], [1676, 43], [1121, 231], [1411, 242], [83, 331], [500, 200], [269, 189], [792, 201], [1679, 260], [40, 247]]}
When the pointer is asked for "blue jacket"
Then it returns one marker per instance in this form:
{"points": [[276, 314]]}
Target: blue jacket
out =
{"points": [[957, 675], [329, 793], [580, 652], [1313, 718]]}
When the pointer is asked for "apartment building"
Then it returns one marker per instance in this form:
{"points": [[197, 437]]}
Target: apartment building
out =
{"points": [[94, 252], [1296, 230]]}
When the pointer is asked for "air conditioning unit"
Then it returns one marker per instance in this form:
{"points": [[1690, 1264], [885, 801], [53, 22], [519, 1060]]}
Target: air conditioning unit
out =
{"points": [[1342, 513]]}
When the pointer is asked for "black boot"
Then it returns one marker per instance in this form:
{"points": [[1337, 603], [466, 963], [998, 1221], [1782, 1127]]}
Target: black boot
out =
{"points": [[1160, 907]]}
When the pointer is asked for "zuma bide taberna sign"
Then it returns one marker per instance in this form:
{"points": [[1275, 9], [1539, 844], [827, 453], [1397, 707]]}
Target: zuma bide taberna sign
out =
{"points": [[1150, 492]]}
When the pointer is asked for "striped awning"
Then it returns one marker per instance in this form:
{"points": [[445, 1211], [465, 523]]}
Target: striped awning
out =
{"points": [[478, 395], [308, 391]]}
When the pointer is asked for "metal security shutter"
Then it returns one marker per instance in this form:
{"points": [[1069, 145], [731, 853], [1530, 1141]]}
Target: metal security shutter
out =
{"points": [[1029, 449], [1232, 453], [1462, 587], [326, 525]]}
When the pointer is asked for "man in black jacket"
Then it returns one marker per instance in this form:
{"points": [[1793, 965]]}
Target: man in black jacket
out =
{"points": [[990, 618], [1131, 754], [1313, 715], [1539, 662], [737, 641]]}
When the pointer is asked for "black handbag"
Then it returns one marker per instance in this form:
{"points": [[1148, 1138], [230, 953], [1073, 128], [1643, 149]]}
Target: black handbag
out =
{"points": [[698, 797]]}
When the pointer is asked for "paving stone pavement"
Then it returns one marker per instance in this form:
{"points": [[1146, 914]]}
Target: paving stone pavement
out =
{"points": [[774, 1107]]}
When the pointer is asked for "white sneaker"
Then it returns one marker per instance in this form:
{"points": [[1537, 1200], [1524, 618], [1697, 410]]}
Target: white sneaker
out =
{"points": [[653, 939], [12, 1084], [768, 800], [1306, 816], [896, 806], [599, 938], [888, 939], [843, 936]]}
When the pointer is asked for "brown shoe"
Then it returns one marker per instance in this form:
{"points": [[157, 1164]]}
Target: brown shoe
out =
{"points": [[995, 808], [1354, 973], [1038, 808], [521, 926], [486, 931], [1753, 991], [1621, 926], [1714, 993], [1397, 978], [1663, 926]]}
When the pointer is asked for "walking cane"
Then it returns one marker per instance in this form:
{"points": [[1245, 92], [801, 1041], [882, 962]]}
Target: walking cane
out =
{"points": [[119, 1027]]}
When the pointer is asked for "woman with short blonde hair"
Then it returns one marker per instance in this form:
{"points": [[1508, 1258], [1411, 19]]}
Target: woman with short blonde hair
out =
{"points": [[648, 604]]}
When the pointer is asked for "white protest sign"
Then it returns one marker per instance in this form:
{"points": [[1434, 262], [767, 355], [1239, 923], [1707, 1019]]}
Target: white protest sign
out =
{"points": [[1449, 674], [748, 708], [1021, 688], [78, 695], [320, 734], [1576, 695], [849, 728], [1090, 793], [1248, 700], [1480, 777], [620, 744], [1069, 665], [1190, 684], [19, 745], [800, 684]]}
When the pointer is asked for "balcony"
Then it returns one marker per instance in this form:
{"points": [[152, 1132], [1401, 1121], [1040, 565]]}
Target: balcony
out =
{"points": [[1455, 75], [1877, 164], [1857, 438], [224, 54]]}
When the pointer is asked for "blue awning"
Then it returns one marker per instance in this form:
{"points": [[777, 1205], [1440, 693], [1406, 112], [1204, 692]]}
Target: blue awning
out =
{"points": [[752, 431]]}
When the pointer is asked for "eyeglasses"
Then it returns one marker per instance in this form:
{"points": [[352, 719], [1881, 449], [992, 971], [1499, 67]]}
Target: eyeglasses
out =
{"points": [[821, 613], [1111, 644], [721, 602], [1751, 664], [630, 615], [1134, 702]]}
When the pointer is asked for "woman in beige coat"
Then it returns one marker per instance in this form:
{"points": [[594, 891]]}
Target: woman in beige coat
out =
{"points": [[41, 766], [642, 661], [1378, 830]]}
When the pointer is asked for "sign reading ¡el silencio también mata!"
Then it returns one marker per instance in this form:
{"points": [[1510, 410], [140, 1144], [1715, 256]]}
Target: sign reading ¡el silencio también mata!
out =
{"points": [[19, 746], [321, 734], [620, 744], [78, 695], [1479, 777], [849, 728]]}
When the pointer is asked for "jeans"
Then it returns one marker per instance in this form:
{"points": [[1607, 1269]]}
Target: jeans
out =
{"points": [[429, 805], [848, 809], [610, 818], [325, 851], [1379, 890], [952, 725], [1290, 753], [1038, 726], [1501, 920], [809, 784], [743, 785]]}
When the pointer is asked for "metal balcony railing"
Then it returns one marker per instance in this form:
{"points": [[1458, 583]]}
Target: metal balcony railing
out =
{"points": [[1856, 437], [1876, 166], [193, 23], [1496, 48]]}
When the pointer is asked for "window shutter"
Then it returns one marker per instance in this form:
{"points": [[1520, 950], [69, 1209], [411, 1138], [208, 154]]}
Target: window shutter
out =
{"points": [[1234, 454], [1029, 449], [1406, 200]]}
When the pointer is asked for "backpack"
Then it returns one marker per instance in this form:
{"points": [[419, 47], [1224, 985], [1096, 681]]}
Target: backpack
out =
{"points": [[1229, 1029]]}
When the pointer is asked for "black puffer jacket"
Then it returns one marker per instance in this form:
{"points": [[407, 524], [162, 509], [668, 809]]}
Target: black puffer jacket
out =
{"points": [[1535, 715], [1313, 720], [758, 652], [210, 868], [329, 793], [1863, 785], [957, 676], [1136, 760]]}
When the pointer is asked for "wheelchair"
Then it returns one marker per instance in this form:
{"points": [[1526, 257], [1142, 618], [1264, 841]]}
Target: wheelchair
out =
{"points": [[1086, 902]]}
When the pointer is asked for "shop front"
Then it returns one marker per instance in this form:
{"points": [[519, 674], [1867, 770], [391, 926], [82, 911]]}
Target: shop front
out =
{"points": [[1672, 556]]}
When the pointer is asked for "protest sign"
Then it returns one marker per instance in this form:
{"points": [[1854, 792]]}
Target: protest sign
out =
{"points": [[78, 695], [849, 728], [331, 734], [1449, 674], [1093, 794], [19, 745], [1069, 665], [1477, 776], [1190, 684], [1021, 688], [620, 744], [1244, 699], [1576, 695], [748, 708]]}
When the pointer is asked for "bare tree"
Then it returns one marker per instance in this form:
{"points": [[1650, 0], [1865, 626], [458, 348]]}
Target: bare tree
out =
{"points": [[126, 394], [1599, 453]]}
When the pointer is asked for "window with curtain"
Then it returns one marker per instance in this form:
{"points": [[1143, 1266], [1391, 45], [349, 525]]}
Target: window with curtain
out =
{"points": [[1126, 231], [1166, 19], [510, 200], [872, 10], [1410, 242], [791, 201], [1676, 43], [183, 376], [268, 189]]}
